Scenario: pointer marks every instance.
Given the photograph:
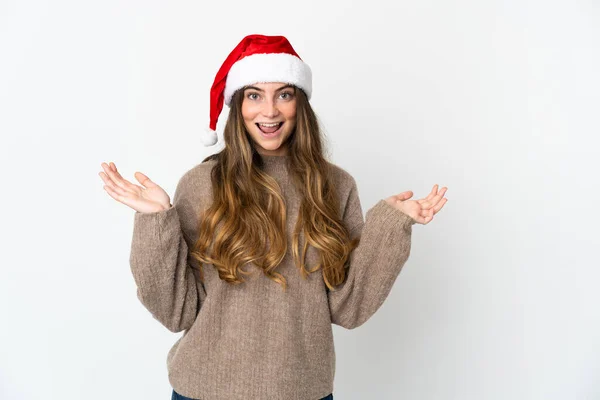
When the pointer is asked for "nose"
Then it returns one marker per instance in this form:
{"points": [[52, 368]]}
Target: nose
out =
{"points": [[270, 109]]}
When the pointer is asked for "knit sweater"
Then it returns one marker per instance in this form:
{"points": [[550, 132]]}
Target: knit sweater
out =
{"points": [[253, 340]]}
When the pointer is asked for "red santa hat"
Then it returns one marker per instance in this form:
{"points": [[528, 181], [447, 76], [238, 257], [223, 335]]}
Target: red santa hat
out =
{"points": [[257, 58]]}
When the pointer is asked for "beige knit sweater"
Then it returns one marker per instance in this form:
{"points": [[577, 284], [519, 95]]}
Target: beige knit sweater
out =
{"points": [[253, 340]]}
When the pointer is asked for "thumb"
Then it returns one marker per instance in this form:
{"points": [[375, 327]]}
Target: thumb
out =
{"points": [[144, 180], [404, 195]]}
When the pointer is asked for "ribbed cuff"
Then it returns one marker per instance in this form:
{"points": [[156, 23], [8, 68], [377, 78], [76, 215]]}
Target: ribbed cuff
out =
{"points": [[154, 235], [388, 216]]}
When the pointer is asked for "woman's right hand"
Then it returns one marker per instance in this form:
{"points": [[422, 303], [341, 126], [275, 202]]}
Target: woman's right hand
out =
{"points": [[147, 198]]}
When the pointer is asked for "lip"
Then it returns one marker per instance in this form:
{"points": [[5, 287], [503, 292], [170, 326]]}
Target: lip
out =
{"points": [[271, 135]]}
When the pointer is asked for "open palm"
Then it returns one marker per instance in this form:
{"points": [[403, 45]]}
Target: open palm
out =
{"points": [[146, 198], [422, 210]]}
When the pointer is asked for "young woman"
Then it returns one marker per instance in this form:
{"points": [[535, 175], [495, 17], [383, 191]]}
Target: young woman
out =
{"points": [[265, 245]]}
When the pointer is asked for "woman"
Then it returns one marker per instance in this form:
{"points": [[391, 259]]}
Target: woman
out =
{"points": [[265, 245]]}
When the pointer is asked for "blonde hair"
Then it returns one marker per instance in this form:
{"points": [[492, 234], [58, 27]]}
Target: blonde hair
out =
{"points": [[248, 210]]}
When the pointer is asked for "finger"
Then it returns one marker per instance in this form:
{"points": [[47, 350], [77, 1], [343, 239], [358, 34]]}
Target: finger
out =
{"points": [[144, 180], [427, 216], [130, 185], [425, 204], [109, 182], [424, 217], [115, 195], [431, 194], [434, 191], [403, 196], [118, 179], [439, 205], [435, 199], [426, 213], [439, 197], [118, 174], [428, 219], [113, 177], [114, 168], [105, 173]]}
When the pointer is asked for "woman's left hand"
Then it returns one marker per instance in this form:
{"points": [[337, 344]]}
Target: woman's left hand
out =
{"points": [[423, 210]]}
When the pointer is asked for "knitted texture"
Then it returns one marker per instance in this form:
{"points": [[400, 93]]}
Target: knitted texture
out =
{"points": [[253, 340]]}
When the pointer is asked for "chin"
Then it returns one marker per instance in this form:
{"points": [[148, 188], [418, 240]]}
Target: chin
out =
{"points": [[270, 145]]}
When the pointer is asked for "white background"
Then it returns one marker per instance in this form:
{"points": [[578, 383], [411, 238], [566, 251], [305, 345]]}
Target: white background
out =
{"points": [[497, 100]]}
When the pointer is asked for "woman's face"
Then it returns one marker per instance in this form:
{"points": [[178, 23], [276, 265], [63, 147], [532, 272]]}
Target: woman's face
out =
{"points": [[270, 103]]}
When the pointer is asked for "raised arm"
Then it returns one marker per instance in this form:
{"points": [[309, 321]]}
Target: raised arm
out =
{"points": [[166, 284], [375, 264]]}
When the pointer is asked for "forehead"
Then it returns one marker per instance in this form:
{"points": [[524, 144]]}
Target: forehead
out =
{"points": [[269, 86]]}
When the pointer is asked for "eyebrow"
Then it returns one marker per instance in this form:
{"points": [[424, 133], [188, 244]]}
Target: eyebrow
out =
{"points": [[260, 90]]}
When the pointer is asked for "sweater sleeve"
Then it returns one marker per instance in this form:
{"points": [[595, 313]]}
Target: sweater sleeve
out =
{"points": [[385, 240], [166, 283]]}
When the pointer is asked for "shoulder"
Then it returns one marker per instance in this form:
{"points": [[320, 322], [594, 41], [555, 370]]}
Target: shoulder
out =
{"points": [[196, 180], [198, 172], [342, 179], [345, 185]]}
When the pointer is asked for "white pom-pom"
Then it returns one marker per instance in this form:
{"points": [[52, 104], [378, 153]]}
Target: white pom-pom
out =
{"points": [[209, 137]]}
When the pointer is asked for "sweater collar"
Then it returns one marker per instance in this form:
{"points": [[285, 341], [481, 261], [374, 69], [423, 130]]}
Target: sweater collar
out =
{"points": [[275, 162]]}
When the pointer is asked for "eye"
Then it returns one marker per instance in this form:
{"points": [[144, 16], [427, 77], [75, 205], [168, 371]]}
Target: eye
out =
{"points": [[289, 95], [252, 94]]}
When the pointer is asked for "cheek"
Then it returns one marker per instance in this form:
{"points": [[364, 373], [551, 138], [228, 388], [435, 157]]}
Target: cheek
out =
{"points": [[248, 113], [247, 118], [290, 111]]}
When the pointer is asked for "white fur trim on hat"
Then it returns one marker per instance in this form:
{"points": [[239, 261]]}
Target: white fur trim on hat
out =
{"points": [[269, 67]]}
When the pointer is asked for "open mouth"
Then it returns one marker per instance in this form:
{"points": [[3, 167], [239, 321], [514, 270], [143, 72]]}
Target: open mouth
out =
{"points": [[270, 130]]}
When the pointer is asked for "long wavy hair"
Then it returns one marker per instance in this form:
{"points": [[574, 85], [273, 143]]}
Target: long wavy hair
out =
{"points": [[246, 223]]}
